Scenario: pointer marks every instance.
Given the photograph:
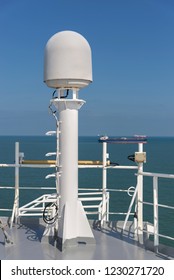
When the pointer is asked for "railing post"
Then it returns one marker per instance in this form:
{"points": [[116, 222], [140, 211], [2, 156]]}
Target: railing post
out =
{"points": [[16, 199], [140, 197], [155, 212], [57, 154], [107, 206], [129, 209], [104, 183]]}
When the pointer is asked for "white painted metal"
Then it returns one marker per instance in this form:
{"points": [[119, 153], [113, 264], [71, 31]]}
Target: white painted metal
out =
{"points": [[109, 166], [28, 165], [160, 175], [50, 133], [5, 187], [155, 211], [58, 173], [53, 175], [91, 199], [37, 188], [16, 199], [67, 61], [50, 154], [156, 205], [140, 197], [73, 223], [53, 165], [37, 211], [130, 207], [104, 184], [97, 206], [92, 193]]}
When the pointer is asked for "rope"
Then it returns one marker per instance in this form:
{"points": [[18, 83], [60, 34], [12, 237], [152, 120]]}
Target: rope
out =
{"points": [[6, 235]]}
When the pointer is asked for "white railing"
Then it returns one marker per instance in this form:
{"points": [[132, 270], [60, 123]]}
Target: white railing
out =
{"points": [[101, 205], [98, 198], [36, 206], [155, 228]]}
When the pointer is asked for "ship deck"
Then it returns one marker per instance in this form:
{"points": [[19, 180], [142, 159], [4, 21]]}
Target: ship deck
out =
{"points": [[110, 244]]}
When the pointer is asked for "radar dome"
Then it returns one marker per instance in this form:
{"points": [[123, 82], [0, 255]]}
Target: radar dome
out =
{"points": [[67, 61]]}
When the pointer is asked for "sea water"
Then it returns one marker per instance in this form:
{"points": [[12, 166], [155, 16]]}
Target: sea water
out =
{"points": [[160, 159]]}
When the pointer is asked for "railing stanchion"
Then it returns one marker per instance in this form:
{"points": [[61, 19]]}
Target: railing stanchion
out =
{"points": [[16, 199], [155, 209], [104, 184], [140, 197]]}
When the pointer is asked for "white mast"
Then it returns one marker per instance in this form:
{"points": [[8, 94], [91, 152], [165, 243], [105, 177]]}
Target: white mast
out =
{"points": [[68, 67]]}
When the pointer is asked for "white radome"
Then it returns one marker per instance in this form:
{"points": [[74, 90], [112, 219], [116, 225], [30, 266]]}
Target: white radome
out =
{"points": [[67, 61]]}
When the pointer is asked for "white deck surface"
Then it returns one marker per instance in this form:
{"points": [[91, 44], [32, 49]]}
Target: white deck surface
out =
{"points": [[109, 245]]}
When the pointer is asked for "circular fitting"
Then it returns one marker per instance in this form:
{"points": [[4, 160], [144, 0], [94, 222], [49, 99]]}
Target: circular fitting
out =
{"points": [[130, 190]]}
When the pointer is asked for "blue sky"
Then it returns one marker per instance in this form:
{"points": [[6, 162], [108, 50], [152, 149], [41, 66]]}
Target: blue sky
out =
{"points": [[132, 45]]}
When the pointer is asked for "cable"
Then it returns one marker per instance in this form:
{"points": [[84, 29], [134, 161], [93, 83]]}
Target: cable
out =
{"points": [[54, 114], [131, 157], [54, 94], [65, 96], [48, 219], [114, 163]]}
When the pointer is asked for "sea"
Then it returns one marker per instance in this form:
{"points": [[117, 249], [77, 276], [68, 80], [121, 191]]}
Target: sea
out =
{"points": [[160, 159]]}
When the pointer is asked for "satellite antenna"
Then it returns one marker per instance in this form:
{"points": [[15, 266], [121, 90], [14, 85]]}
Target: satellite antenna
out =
{"points": [[68, 67]]}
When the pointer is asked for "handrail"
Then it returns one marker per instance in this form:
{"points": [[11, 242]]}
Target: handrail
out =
{"points": [[29, 188], [54, 165], [156, 205], [161, 175], [104, 204]]}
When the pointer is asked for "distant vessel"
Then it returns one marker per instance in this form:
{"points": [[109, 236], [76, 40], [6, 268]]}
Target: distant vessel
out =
{"points": [[124, 140]]}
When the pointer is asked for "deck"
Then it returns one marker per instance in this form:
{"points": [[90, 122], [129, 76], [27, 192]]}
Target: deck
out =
{"points": [[110, 244]]}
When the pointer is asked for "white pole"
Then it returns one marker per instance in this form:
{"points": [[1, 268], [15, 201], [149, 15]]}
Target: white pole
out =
{"points": [[104, 183], [16, 199], [155, 209], [57, 155], [69, 157], [73, 225], [140, 197]]}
